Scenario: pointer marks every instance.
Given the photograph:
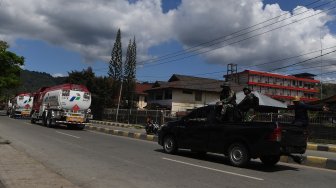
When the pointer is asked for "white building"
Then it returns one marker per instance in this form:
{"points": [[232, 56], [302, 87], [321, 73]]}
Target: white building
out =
{"points": [[183, 93]]}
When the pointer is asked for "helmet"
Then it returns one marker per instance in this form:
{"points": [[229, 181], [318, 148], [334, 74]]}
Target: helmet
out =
{"points": [[296, 99], [225, 84], [246, 88]]}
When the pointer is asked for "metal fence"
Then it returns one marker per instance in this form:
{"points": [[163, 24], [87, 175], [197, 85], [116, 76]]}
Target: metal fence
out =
{"points": [[134, 116], [321, 126]]}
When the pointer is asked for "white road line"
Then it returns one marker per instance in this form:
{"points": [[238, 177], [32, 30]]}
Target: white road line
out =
{"points": [[68, 134], [213, 169]]}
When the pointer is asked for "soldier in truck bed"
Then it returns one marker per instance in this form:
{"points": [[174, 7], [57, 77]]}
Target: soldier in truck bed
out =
{"points": [[248, 105], [227, 101]]}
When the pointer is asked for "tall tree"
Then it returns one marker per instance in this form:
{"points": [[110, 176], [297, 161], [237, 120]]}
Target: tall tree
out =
{"points": [[9, 67], [130, 68], [115, 64]]}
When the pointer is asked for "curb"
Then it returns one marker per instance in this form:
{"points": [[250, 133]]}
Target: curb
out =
{"points": [[116, 124], [116, 132], [313, 161], [320, 162], [318, 147]]}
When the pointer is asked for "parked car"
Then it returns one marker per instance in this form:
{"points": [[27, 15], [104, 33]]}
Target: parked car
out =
{"points": [[202, 131]]}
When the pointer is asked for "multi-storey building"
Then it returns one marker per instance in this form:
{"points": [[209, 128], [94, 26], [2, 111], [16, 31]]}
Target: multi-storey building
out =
{"points": [[277, 86]]}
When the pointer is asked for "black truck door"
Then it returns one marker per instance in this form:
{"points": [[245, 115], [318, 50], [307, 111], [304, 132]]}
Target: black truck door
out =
{"points": [[192, 131]]}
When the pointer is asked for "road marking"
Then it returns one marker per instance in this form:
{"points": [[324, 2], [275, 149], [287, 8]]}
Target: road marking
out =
{"points": [[213, 169], [68, 134]]}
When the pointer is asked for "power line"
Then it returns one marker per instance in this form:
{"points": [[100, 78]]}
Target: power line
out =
{"points": [[181, 52], [207, 51], [303, 61], [288, 58]]}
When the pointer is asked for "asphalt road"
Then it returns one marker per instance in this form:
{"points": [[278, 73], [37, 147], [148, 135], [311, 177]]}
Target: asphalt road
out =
{"points": [[92, 159]]}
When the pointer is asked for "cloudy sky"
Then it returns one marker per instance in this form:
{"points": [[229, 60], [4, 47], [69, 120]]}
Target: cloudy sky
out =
{"points": [[193, 37]]}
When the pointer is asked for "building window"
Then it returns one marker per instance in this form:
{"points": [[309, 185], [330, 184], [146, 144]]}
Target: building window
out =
{"points": [[185, 91], [168, 94], [294, 83], [198, 96], [151, 96], [158, 96]]}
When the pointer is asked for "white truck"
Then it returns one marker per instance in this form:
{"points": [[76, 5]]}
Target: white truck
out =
{"points": [[67, 104], [20, 106]]}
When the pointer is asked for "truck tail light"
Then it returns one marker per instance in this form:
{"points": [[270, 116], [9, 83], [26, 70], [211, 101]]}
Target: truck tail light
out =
{"points": [[275, 135]]}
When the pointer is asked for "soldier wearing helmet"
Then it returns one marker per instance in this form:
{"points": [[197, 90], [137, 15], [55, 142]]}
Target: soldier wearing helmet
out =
{"points": [[227, 99], [248, 105]]}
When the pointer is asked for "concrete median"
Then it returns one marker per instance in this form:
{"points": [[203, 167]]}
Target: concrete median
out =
{"points": [[320, 147]]}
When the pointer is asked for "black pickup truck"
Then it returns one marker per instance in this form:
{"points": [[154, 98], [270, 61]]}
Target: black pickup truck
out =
{"points": [[202, 132]]}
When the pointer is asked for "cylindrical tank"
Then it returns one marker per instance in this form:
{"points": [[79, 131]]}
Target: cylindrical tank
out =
{"points": [[23, 101], [67, 99]]}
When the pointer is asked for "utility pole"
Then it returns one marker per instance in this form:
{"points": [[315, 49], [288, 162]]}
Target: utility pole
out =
{"points": [[321, 84], [122, 80]]}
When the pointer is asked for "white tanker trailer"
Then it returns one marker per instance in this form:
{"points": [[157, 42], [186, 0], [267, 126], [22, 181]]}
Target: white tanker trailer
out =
{"points": [[20, 106], [67, 104]]}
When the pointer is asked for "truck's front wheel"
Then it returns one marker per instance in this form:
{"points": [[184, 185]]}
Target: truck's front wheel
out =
{"points": [[238, 155], [270, 160], [44, 119]]}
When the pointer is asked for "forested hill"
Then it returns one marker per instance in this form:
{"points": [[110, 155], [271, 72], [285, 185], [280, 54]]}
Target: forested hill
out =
{"points": [[31, 81]]}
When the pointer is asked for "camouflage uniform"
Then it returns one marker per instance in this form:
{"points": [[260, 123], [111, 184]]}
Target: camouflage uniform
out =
{"points": [[227, 99], [247, 106]]}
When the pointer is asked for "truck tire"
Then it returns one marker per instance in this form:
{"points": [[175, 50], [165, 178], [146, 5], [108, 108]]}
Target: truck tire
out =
{"points": [[32, 120], [44, 119], [80, 127], [238, 155], [270, 160], [50, 121], [169, 144]]}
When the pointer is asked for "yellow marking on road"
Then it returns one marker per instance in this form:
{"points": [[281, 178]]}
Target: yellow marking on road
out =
{"points": [[125, 133], [284, 159], [137, 135], [213, 169], [332, 148], [316, 161], [312, 146], [150, 137]]}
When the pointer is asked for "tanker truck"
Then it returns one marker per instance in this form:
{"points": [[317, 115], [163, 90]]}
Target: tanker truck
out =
{"points": [[66, 104], [20, 106]]}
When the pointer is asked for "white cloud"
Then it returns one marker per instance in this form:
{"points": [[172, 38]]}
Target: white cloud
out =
{"points": [[89, 27], [196, 23]]}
